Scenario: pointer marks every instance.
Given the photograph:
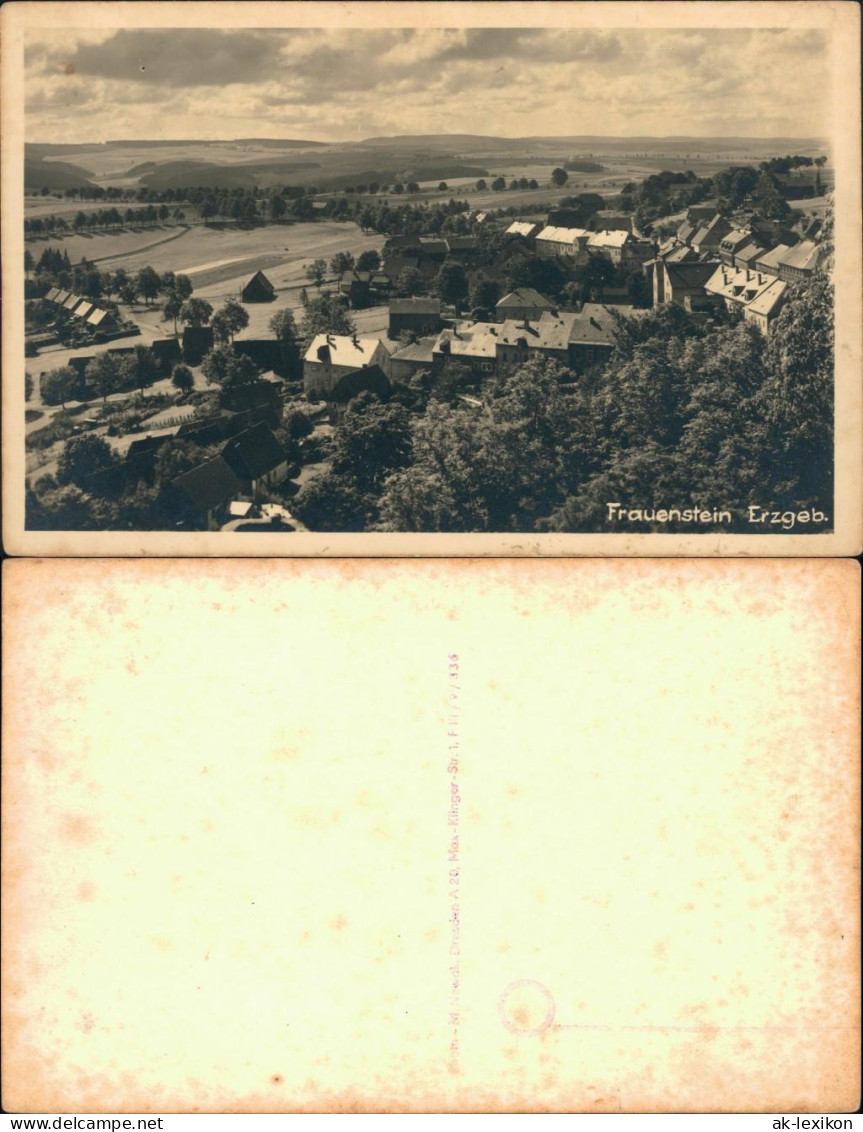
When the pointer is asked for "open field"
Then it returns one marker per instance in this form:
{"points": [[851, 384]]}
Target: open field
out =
{"points": [[214, 256], [101, 247]]}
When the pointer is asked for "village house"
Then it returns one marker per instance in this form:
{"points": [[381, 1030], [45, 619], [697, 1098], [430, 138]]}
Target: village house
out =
{"points": [[619, 247], [266, 353], [682, 284], [759, 296], [166, 352], [263, 397], [523, 230], [733, 242], [765, 307], [800, 262], [471, 344], [768, 263], [258, 289], [554, 241], [331, 356], [72, 300], [698, 214], [420, 315], [577, 340], [547, 337], [363, 288], [463, 248], [592, 337], [686, 231], [197, 341], [102, 320], [710, 235], [204, 493], [523, 302], [749, 254], [407, 361], [433, 248], [256, 458]]}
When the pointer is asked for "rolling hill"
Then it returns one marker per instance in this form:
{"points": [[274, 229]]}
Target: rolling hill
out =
{"points": [[190, 174], [40, 174]]}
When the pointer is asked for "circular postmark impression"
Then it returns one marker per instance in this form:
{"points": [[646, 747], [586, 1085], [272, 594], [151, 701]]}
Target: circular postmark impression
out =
{"points": [[526, 1007]]}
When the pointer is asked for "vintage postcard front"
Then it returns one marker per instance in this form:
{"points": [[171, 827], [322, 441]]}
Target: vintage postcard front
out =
{"points": [[458, 836], [432, 278]]}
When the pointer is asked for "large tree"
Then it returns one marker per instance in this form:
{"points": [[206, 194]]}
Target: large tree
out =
{"points": [[196, 312], [224, 367], [171, 308], [57, 386], [82, 457], [139, 369], [149, 284], [104, 374], [284, 327], [316, 272], [325, 315], [340, 263], [451, 284], [182, 378]]}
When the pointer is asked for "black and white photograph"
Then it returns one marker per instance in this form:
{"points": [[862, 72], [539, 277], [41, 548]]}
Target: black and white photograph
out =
{"points": [[525, 281]]}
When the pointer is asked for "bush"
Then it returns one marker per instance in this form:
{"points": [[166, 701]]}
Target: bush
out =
{"points": [[60, 428]]}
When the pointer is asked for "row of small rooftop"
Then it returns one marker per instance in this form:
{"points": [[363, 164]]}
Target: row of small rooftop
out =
{"points": [[82, 308], [577, 339], [740, 247], [615, 236]]}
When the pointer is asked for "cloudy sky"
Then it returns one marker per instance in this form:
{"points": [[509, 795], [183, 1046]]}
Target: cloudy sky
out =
{"points": [[348, 84]]}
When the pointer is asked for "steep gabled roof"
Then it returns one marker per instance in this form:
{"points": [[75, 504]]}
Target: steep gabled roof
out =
{"points": [[209, 485], [749, 253], [260, 280], [522, 228], [525, 297], [96, 317], [686, 231], [254, 452], [804, 255]]}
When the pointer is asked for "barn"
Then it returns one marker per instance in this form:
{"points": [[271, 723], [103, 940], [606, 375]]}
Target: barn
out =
{"points": [[258, 289]]}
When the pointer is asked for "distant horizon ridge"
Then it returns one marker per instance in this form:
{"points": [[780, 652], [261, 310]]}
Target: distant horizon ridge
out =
{"points": [[383, 138]]}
